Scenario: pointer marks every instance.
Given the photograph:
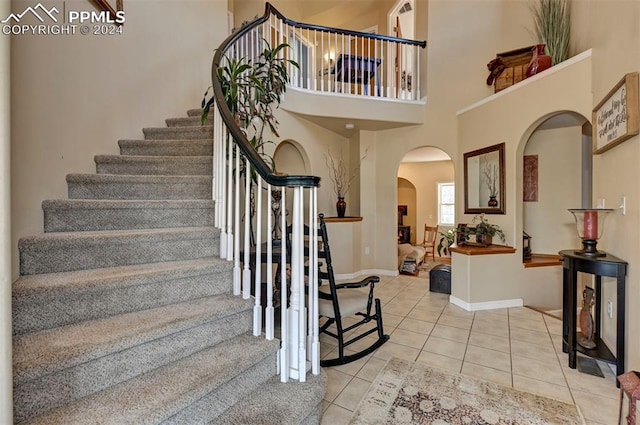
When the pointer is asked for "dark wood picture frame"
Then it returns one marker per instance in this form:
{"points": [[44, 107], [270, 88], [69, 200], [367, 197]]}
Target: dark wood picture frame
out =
{"points": [[615, 119], [473, 180]]}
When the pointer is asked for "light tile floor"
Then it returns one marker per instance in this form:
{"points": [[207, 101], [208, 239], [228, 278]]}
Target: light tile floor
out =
{"points": [[515, 347]]}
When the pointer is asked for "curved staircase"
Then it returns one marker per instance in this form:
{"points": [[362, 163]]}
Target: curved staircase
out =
{"points": [[123, 313]]}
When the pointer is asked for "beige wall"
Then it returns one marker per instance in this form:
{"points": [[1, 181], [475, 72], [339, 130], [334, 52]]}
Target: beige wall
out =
{"points": [[616, 51], [484, 125], [75, 96], [462, 36], [551, 227], [6, 376]]}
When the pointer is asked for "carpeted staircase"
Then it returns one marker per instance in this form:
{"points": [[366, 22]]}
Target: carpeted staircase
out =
{"points": [[123, 313]]}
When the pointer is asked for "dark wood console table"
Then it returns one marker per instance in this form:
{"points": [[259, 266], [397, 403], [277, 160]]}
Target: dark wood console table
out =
{"points": [[608, 266]]}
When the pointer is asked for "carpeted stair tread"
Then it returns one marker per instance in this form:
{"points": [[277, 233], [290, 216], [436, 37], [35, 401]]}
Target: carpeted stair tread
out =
{"points": [[45, 301], [42, 353], [195, 112], [217, 374], [154, 165], [275, 402], [172, 133], [111, 186], [69, 215], [192, 147], [68, 251], [165, 337], [187, 121]]}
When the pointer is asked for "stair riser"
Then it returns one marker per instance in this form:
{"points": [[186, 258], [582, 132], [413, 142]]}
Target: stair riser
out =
{"points": [[69, 256], [176, 133], [187, 122], [72, 220], [41, 395], [49, 310], [162, 168], [214, 404], [140, 190], [166, 147]]}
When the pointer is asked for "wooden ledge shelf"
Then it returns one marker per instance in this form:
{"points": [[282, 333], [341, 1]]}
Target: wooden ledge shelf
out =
{"points": [[342, 219], [480, 250], [543, 260]]}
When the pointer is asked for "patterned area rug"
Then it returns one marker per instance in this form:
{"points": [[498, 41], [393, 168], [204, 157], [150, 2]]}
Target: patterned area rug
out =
{"points": [[413, 393]]}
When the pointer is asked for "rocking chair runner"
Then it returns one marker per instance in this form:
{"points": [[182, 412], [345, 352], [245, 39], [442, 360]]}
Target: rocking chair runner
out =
{"points": [[338, 301]]}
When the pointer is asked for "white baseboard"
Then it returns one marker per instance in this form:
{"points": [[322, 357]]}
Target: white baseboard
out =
{"points": [[354, 275], [487, 305]]}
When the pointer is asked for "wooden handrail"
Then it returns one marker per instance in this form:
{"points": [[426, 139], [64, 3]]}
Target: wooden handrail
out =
{"points": [[234, 129]]}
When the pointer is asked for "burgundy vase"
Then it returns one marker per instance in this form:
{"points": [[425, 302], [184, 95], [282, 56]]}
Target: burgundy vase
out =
{"points": [[539, 62], [341, 207]]}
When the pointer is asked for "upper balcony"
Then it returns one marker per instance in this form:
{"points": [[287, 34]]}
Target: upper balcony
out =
{"points": [[345, 77]]}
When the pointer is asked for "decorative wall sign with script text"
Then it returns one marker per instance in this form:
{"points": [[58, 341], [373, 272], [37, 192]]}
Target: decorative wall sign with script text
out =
{"points": [[615, 118]]}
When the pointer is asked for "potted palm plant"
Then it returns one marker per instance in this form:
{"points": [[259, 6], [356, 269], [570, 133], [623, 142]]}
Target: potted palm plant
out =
{"points": [[253, 90]]}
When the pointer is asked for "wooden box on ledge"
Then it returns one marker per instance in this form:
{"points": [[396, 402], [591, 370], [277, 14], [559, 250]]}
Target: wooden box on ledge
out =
{"points": [[516, 62]]}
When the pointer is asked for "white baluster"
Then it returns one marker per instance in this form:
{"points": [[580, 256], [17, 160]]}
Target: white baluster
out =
{"points": [[313, 290], [269, 307], [223, 194], [236, 229], [302, 315], [246, 271], [228, 199], [284, 310], [257, 308]]}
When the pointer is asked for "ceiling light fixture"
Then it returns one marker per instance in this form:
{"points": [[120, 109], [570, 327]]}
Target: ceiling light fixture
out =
{"points": [[349, 126]]}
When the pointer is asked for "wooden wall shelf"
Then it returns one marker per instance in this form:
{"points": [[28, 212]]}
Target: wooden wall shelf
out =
{"points": [[543, 260], [342, 219], [478, 250]]}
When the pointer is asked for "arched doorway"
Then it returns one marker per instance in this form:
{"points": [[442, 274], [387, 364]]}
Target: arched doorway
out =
{"points": [[428, 171]]}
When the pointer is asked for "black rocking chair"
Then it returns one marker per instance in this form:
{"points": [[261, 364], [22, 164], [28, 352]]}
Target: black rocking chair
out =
{"points": [[338, 301]]}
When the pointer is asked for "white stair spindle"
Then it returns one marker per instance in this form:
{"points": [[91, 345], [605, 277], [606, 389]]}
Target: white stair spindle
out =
{"points": [[257, 308], [236, 227], [284, 311], [246, 271], [269, 325], [313, 290], [228, 199]]}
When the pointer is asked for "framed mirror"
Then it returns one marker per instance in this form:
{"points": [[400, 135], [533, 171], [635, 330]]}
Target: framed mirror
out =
{"points": [[484, 188]]}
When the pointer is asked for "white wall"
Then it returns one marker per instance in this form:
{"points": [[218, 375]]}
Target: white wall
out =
{"points": [[547, 220], [6, 376], [74, 96]]}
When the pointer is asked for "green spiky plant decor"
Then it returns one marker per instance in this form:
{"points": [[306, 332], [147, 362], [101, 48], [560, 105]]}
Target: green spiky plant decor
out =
{"points": [[552, 20]]}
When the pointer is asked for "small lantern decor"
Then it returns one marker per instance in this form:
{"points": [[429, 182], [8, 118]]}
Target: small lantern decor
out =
{"points": [[590, 224], [526, 246]]}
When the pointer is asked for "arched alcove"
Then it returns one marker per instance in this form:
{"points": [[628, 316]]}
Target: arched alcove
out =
{"points": [[556, 176], [291, 158]]}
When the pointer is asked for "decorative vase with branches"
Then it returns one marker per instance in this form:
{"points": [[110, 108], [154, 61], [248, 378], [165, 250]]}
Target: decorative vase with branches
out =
{"points": [[490, 173], [341, 178], [552, 26]]}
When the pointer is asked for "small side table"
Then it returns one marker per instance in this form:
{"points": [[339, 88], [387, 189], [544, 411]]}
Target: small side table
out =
{"points": [[608, 266]]}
